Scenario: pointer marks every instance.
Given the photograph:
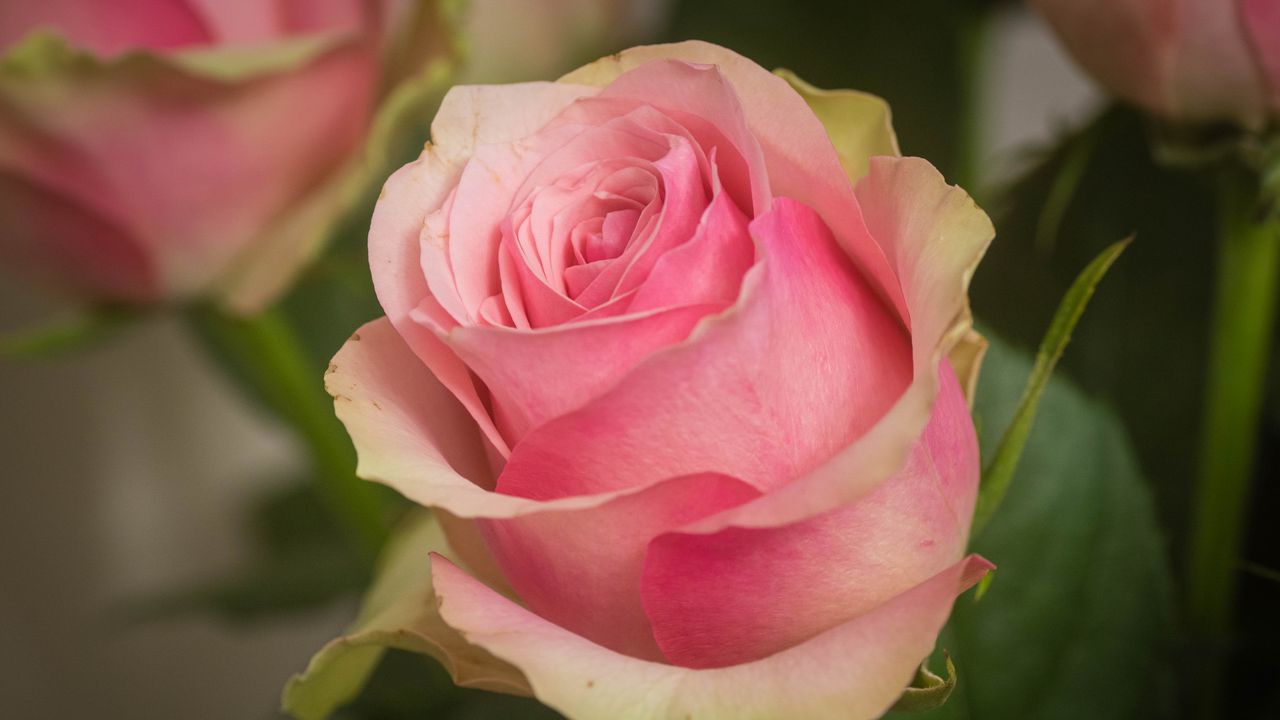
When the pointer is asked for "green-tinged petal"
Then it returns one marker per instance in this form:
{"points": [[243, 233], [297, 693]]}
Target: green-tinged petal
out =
{"points": [[931, 690], [860, 124], [399, 612], [296, 239], [45, 53]]}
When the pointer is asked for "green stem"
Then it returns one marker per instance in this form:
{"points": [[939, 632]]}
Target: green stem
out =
{"points": [[1243, 315], [971, 68], [267, 351]]}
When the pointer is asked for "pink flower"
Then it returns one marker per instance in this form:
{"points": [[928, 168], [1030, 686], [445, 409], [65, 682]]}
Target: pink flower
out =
{"points": [[164, 149], [1187, 60], [680, 390]]}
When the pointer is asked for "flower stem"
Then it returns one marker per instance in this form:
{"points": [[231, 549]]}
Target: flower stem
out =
{"points": [[974, 32], [1248, 269], [266, 352]]}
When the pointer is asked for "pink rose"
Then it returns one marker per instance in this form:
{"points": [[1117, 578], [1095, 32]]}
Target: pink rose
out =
{"points": [[163, 149], [1187, 60], [682, 392]]}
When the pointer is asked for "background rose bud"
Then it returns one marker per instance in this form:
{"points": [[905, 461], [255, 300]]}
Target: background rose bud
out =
{"points": [[163, 149], [1187, 60], [678, 387]]}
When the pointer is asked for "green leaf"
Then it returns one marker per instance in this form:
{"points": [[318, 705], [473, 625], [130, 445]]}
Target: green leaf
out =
{"points": [[1079, 621], [75, 332], [929, 691], [998, 474]]}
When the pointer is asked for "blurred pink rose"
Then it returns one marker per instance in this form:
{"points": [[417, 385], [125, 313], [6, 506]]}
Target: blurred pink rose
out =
{"points": [[164, 149], [678, 387], [1187, 60]]}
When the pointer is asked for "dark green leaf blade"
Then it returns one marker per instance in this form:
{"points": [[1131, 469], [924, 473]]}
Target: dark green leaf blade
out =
{"points": [[999, 472]]}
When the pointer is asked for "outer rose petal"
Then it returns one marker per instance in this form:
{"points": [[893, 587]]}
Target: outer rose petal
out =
{"points": [[801, 162], [106, 28], [412, 434], [702, 592], [1185, 59], [1213, 72], [581, 568], [73, 247], [1122, 43], [1262, 22], [468, 116], [855, 671], [859, 124], [554, 375], [935, 236], [87, 130]]}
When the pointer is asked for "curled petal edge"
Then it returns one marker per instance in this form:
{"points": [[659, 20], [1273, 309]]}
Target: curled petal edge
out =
{"points": [[855, 670]]}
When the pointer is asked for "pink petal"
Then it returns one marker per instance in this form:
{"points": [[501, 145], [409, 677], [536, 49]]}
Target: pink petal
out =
{"points": [[238, 161], [708, 268], [412, 434], [105, 28], [1262, 21], [581, 568], [537, 376], [801, 162], [1124, 44], [468, 116], [67, 245], [743, 594], [856, 670], [936, 235], [1212, 68], [429, 434], [807, 362]]}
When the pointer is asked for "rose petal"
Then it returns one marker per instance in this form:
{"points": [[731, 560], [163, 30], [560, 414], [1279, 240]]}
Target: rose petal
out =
{"points": [[1212, 68], [90, 136], [469, 115], [581, 568], [807, 362], [554, 375], [702, 592], [858, 123], [708, 268], [71, 246], [856, 670], [1262, 21], [1122, 43], [936, 235], [107, 29], [412, 434], [801, 162]]}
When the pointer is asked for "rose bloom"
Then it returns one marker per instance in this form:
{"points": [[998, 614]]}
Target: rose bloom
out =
{"points": [[164, 149], [684, 373], [1186, 60]]}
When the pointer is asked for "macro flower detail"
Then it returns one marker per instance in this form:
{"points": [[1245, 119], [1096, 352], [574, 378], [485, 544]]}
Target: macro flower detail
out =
{"points": [[684, 373], [158, 150]]}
